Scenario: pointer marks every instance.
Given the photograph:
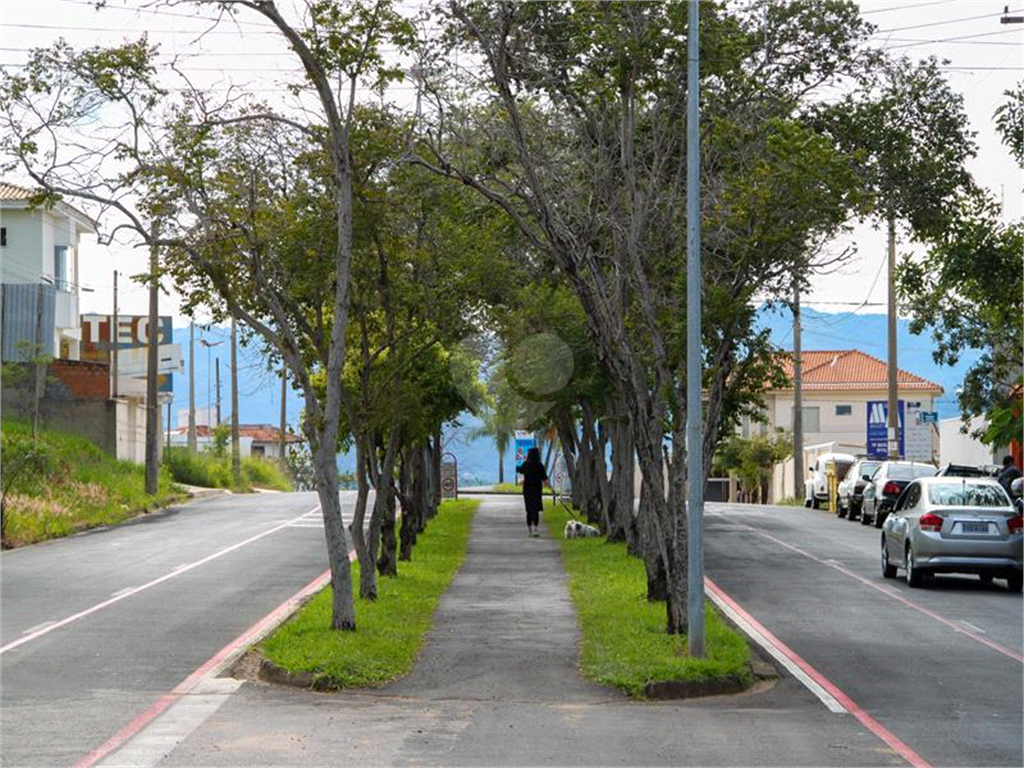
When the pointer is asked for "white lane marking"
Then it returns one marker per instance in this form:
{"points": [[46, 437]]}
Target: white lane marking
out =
{"points": [[122, 592], [135, 590], [37, 627], [175, 725], [971, 626], [812, 685]]}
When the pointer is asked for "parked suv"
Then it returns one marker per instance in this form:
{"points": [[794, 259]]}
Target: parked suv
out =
{"points": [[887, 483], [851, 489], [967, 470]]}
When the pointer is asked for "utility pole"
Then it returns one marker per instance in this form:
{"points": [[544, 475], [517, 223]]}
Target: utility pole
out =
{"points": [[1008, 19], [694, 405], [798, 398], [152, 406], [894, 412], [284, 414], [114, 340], [236, 458], [216, 365], [40, 368], [191, 387]]}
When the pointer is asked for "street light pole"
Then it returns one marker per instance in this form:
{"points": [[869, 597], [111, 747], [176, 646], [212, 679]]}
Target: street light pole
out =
{"points": [[209, 400]]}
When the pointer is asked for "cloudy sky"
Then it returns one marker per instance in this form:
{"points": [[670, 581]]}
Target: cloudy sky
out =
{"points": [[985, 58]]}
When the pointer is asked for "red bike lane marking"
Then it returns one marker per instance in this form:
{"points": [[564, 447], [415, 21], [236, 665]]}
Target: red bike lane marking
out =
{"points": [[883, 733], [213, 666]]}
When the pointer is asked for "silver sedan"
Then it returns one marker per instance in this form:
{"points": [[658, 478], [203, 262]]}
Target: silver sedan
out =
{"points": [[954, 525]]}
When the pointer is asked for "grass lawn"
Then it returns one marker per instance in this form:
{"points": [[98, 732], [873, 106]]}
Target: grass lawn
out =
{"points": [[390, 630], [62, 483], [513, 488], [624, 639]]}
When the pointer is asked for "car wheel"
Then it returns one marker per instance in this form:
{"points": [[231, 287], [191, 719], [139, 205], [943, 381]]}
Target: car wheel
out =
{"points": [[854, 511], [864, 519], [879, 519], [888, 570], [815, 504], [1015, 582], [807, 503], [840, 509], [914, 577]]}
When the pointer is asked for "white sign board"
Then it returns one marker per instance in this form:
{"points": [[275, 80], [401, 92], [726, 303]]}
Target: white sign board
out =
{"points": [[917, 432], [449, 477]]}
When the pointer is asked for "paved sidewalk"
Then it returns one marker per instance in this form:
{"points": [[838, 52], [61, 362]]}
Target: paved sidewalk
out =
{"points": [[497, 684]]}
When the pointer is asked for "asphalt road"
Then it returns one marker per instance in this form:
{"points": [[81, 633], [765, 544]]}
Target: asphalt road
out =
{"points": [[166, 593], [940, 667]]}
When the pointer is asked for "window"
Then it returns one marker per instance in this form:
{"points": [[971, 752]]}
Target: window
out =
{"points": [[812, 419], [844, 410], [3, 235], [60, 267]]}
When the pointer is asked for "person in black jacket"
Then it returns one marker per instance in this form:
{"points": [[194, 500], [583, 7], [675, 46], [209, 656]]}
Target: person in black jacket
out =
{"points": [[535, 476], [1008, 474]]}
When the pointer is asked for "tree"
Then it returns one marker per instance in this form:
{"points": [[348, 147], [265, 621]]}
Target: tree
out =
{"points": [[968, 291], [578, 138], [752, 460], [198, 177]]}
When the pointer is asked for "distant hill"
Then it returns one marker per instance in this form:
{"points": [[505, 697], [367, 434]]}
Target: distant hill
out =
{"points": [[260, 389]]}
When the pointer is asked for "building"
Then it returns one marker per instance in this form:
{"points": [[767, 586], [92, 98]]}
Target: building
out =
{"points": [[845, 406], [39, 273], [254, 440]]}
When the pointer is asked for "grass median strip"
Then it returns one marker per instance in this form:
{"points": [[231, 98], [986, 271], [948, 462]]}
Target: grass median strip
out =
{"points": [[390, 630], [624, 639]]}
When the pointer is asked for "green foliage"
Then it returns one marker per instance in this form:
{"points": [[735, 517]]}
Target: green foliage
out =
{"points": [[624, 638], [391, 629], [968, 291], [1009, 118], [752, 459], [213, 470], [59, 484]]}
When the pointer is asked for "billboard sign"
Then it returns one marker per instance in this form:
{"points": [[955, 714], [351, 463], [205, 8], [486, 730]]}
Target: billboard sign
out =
{"points": [[878, 429], [132, 335], [523, 443]]}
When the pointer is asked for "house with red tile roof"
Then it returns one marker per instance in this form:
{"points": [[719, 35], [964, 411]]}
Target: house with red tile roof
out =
{"points": [[255, 440], [842, 392]]}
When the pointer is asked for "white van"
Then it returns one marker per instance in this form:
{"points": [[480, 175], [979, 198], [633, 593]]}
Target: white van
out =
{"points": [[816, 486]]}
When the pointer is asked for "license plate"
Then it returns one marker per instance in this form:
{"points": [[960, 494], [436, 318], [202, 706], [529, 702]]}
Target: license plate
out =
{"points": [[975, 527]]}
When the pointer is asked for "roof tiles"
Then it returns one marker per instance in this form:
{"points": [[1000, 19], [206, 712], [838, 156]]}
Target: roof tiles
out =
{"points": [[847, 369]]}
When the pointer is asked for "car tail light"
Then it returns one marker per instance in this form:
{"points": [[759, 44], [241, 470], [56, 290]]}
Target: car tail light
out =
{"points": [[892, 489], [930, 522], [1015, 524]]}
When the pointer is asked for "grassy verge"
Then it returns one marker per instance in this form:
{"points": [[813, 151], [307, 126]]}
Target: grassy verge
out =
{"points": [[389, 631], [61, 484], [624, 639], [209, 470], [513, 488]]}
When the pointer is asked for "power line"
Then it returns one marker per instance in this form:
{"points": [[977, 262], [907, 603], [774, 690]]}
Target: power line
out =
{"points": [[905, 7], [948, 39], [942, 23]]}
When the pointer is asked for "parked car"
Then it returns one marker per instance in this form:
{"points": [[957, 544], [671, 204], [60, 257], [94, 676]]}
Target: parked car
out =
{"points": [[954, 525], [851, 489], [887, 483], [816, 486], [967, 470]]}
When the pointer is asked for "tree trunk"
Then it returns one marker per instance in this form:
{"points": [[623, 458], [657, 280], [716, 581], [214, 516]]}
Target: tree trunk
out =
{"points": [[387, 561], [620, 503], [343, 611], [364, 555]]}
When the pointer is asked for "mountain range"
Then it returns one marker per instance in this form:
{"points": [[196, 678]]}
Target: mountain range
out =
{"points": [[260, 388]]}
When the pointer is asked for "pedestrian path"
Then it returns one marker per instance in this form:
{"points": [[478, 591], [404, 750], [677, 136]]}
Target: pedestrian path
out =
{"points": [[497, 684]]}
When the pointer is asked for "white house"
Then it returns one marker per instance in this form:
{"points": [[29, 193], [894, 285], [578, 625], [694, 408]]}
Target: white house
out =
{"points": [[40, 274], [845, 394]]}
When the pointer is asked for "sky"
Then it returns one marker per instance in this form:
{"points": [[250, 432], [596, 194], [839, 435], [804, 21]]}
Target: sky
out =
{"points": [[985, 57]]}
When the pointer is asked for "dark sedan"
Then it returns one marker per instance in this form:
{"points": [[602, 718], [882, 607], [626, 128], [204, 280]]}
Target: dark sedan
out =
{"points": [[887, 483]]}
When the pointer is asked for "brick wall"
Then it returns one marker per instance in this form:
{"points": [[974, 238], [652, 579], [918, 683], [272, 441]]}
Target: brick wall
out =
{"points": [[82, 380]]}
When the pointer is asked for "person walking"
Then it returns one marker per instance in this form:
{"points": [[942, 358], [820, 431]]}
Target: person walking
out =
{"points": [[535, 477]]}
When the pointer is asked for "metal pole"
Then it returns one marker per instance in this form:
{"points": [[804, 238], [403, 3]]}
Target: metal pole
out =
{"points": [[694, 408], [284, 415], [114, 338], [894, 413], [191, 387], [798, 398], [152, 406], [236, 459], [216, 378]]}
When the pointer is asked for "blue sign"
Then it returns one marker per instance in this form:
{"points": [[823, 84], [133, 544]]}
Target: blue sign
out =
{"points": [[524, 442], [929, 417], [878, 429]]}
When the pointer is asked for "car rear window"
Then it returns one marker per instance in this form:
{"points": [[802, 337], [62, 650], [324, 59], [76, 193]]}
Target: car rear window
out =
{"points": [[910, 471], [967, 495]]}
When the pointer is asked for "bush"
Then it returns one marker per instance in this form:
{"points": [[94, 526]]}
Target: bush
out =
{"points": [[209, 470]]}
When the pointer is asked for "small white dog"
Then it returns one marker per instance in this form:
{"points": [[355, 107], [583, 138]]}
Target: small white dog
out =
{"points": [[574, 529]]}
